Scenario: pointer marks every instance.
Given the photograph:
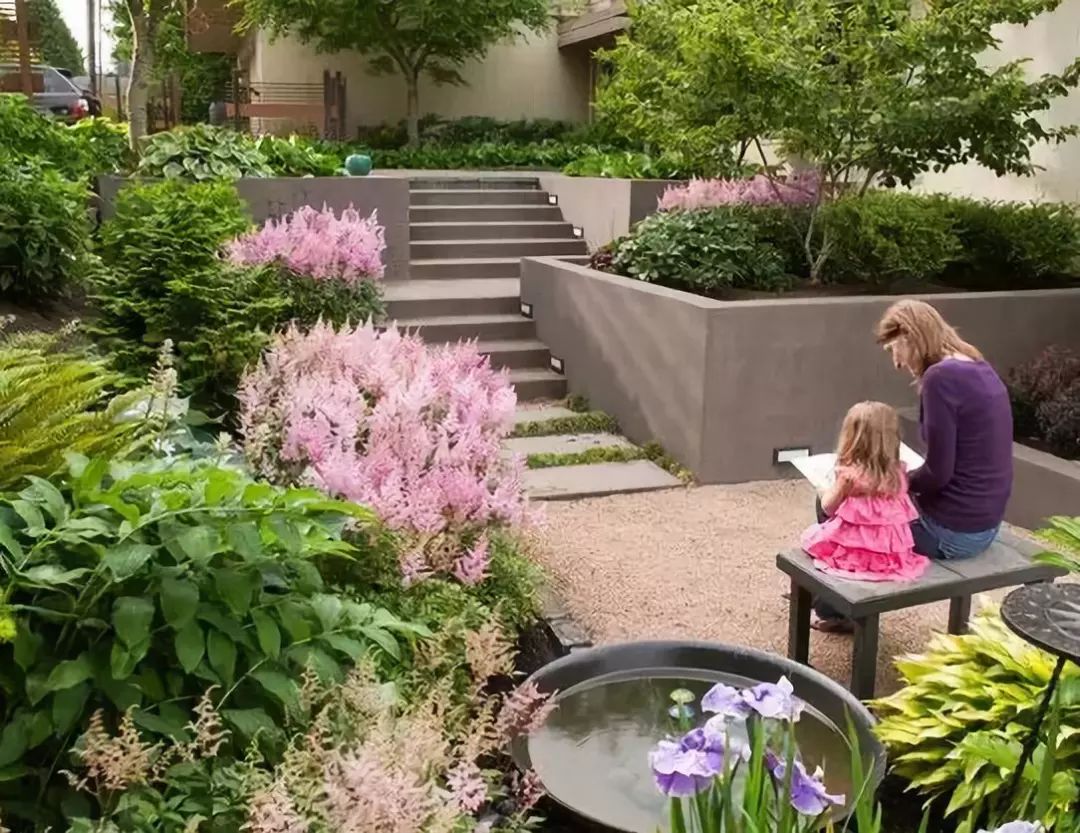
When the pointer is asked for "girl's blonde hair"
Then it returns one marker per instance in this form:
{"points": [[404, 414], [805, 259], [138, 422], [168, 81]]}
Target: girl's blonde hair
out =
{"points": [[870, 443], [929, 336]]}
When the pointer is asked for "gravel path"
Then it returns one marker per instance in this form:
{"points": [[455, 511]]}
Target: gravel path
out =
{"points": [[700, 563]]}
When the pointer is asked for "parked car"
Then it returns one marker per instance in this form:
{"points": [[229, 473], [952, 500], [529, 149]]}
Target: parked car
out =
{"points": [[92, 101], [54, 95]]}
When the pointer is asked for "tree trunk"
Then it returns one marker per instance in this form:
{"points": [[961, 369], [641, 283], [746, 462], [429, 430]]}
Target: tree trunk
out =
{"points": [[412, 108], [142, 66]]}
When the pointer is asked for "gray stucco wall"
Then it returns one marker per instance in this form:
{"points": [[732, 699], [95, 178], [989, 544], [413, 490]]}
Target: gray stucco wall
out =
{"points": [[604, 208], [276, 196], [723, 384]]}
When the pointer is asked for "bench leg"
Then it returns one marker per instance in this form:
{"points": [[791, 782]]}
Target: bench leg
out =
{"points": [[798, 646], [959, 614], [864, 657]]}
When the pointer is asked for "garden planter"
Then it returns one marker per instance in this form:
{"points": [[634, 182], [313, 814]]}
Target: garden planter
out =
{"points": [[592, 753]]}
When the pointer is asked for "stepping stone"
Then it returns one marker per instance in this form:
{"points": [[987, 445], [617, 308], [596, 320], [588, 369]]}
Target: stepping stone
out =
{"points": [[541, 414], [597, 480], [564, 443]]}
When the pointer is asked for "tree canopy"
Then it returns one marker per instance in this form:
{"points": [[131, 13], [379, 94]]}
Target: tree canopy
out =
{"points": [[405, 37], [57, 45]]}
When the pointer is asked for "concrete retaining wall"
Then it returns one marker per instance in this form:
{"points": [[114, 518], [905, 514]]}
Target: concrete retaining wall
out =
{"points": [[276, 196], [605, 208], [723, 384]]}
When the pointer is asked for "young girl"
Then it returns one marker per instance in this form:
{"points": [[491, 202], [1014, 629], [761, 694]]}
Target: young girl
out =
{"points": [[867, 534]]}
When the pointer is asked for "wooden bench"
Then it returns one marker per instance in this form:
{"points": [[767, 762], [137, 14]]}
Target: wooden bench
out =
{"points": [[1006, 564]]}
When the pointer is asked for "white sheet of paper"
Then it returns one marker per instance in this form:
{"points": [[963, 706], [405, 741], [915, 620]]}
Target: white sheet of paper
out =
{"points": [[820, 469]]}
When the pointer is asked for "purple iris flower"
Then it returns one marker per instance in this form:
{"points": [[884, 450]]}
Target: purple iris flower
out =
{"points": [[680, 771], [808, 795], [1018, 826], [770, 700]]}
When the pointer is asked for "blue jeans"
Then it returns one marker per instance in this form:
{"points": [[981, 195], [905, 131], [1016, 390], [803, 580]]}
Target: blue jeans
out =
{"points": [[932, 540]]}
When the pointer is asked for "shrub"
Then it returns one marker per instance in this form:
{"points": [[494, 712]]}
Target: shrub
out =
{"points": [[413, 431], [700, 251], [883, 237], [138, 587], [1013, 245], [26, 134], [800, 189], [968, 704], [55, 401], [1054, 374], [1059, 421], [103, 144], [625, 164], [296, 156], [201, 152], [43, 230]]}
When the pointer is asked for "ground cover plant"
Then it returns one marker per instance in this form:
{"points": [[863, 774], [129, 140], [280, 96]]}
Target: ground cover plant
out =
{"points": [[1045, 395]]}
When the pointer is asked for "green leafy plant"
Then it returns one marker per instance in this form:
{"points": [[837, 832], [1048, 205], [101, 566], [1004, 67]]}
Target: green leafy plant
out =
{"points": [[884, 237], [608, 454], [590, 422], [625, 164], [133, 588], [1007, 245], [1063, 533], [202, 152], [56, 400], [103, 143], [43, 230], [700, 251], [956, 728], [295, 156], [1045, 396]]}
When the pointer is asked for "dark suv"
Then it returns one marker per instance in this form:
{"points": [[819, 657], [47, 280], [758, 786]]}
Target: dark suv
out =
{"points": [[54, 95]]}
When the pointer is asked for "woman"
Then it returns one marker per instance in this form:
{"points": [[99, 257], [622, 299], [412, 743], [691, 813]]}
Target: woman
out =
{"points": [[966, 424]]}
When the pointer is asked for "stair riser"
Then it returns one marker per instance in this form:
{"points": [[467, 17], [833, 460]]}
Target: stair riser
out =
{"points": [[489, 331], [514, 359], [421, 250], [474, 214], [450, 271], [487, 184], [428, 307], [447, 197], [487, 231], [541, 389]]}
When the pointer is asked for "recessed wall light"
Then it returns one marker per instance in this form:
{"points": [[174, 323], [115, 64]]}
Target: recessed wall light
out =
{"points": [[786, 455], [526, 309], [556, 364]]}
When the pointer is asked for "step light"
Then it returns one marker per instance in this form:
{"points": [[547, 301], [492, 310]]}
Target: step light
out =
{"points": [[579, 232], [526, 309], [553, 199], [786, 455], [556, 364]]}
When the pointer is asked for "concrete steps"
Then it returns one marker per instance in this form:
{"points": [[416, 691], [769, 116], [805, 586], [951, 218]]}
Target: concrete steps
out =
{"points": [[468, 235], [597, 480], [565, 443]]}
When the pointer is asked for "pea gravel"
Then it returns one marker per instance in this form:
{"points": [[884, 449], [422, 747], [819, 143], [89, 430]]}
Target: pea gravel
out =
{"points": [[699, 563]]}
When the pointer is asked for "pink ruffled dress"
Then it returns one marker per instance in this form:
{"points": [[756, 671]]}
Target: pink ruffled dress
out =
{"points": [[868, 538]]}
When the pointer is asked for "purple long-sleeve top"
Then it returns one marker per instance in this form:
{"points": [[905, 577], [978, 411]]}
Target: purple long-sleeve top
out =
{"points": [[966, 423]]}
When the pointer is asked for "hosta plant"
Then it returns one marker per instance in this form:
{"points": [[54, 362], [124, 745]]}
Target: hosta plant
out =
{"points": [[955, 730], [133, 588], [410, 429], [201, 152]]}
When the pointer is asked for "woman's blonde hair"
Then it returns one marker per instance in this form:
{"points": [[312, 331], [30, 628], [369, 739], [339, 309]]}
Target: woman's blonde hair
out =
{"points": [[870, 443], [929, 336]]}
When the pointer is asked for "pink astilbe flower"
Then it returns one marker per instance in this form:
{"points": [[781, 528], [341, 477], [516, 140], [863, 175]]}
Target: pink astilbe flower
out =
{"points": [[471, 568], [468, 790], [365, 793], [529, 789], [272, 811], [798, 189], [380, 418], [524, 711], [317, 244]]}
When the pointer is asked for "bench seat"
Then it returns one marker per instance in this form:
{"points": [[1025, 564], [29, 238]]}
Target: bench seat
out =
{"points": [[1007, 563]]}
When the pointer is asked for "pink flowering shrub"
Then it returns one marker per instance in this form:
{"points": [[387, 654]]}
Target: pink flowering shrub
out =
{"points": [[697, 194], [380, 418], [317, 244]]}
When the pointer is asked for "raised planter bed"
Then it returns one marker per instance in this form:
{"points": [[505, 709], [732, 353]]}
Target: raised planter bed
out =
{"points": [[723, 384]]}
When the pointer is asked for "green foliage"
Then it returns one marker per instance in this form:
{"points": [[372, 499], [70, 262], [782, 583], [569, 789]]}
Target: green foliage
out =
{"points": [[874, 91], [55, 401], [138, 587], [43, 230], [1045, 396], [701, 251], [103, 144], [590, 422], [605, 454], [408, 37], [969, 702], [296, 157], [1013, 245], [884, 237], [1064, 534], [481, 156], [56, 45], [632, 165], [201, 152]]}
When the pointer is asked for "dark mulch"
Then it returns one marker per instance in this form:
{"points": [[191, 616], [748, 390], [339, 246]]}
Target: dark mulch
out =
{"points": [[46, 316]]}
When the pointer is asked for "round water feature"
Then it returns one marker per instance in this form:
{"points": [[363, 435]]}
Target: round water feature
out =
{"points": [[615, 703]]}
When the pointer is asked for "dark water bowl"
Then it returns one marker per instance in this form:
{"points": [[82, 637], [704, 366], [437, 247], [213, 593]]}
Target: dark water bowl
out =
{"points": [[592, 754]]}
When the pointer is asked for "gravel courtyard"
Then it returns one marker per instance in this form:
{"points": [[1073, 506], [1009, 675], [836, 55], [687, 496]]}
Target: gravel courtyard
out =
{"points": [[700, 563]]}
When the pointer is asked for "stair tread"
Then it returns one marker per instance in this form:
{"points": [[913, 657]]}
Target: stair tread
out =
{"points": [[495, 241], [434, 289], [460, 223], [484, 207], [565, 443], [507, 345], [597, 480], [534, 374], [543, 414], [472, 190], [428, 261], [443, 320]]}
